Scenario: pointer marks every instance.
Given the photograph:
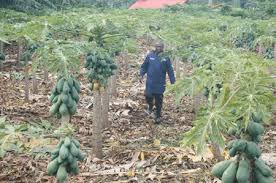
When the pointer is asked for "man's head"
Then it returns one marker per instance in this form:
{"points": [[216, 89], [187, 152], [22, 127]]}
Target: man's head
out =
{"points": [[159, 47]]}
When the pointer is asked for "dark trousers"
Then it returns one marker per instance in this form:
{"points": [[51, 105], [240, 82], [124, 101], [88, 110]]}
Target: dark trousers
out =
{"points": [[158, 103]]}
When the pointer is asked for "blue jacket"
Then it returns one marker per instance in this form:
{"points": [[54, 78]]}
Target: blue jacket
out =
{"points": [[156, 69]]}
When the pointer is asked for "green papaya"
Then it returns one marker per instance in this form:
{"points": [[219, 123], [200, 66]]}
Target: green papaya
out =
{"points": [[255, 129], [75, 94], [54, 108], [60, 160], [52, 167], [81, 156], [75, 171], [74, 150], [77, 85], [240, 145], [62, 173], [63, 152], [232, 152], [60, 144], [220, 167], [64, 98], [243, 172], [229, 174], [252, 150], [70, 158], [257, 117], [260, 178], [257, 139], [262, 167], [67, 141], [66, 87], [73, 110], [70, 82], [76, 142], [55, 99], [53, 157], [51, 98], [63, 110], [55, 151], [71, 102], [60, 85]]}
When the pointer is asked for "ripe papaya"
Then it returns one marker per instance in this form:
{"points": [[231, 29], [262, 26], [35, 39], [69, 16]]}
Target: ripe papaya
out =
{"points": [[252, 150], [260, 178], [254, 129], [77, 85], [220, 167], [65, 88], [63, 152], [60, 85], [243, 172], [52, 167], [74, 150], [67, 141], [62, 173], [262, 167], [76, 142], [229, 174], [63, 110], [75, 94]]}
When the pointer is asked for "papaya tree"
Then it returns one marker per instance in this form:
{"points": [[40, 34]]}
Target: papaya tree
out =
{"points": [[65, 157]]}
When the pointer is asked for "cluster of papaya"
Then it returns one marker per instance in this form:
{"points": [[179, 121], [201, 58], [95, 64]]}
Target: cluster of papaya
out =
{"points": [[65, 159], [247, 157], [216, 89], [64, 97], [100, 67], [2, 56]]}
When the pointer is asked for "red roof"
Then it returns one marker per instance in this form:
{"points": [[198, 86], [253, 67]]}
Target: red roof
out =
{"points": [[155, 4]]}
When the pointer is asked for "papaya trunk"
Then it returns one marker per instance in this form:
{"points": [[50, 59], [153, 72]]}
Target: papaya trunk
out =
{"points": [[1, 47], [65, 119], [19, 55], [46, 75], [216, 152], [237, 3], [274, 52], [105, 107], [197, 100], [177, 68], [114, 85], [97, 130], [27, 84], [35, 90], [260, 51]]}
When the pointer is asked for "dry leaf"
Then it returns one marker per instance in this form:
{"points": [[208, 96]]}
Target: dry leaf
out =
{"points": [[157, 143]]}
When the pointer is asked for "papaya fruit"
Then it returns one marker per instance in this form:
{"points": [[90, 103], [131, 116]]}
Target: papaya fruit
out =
{"points": [[243, 172], [63, 110], [64, 98], [252, 150], [63, 152], [257, 139], [262, 167], [220, 167], [260, 178], [62, 173], [70, 102], [60, 144], [70, 158], [81, 156], [73, 110], [53, 157], [60, 85], [52, 167], [70, 82], [240, 145], [51, 98], [55, 151], [67, 141], [65, 88], [257, 117], [54, 108], [229, 175], [77, 85], [75, 94], [254, 129], [75, 171], [74, 150], [76, 142], [232, 152], [55, 99]]}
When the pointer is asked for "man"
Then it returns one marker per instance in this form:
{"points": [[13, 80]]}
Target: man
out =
{"points": [[156, 66]]}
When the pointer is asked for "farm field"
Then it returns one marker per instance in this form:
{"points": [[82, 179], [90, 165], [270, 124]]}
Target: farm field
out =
{"points": [[72, 108]]}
